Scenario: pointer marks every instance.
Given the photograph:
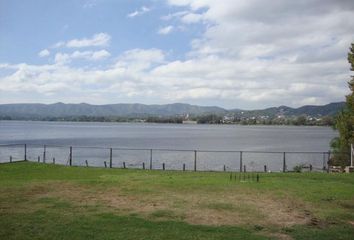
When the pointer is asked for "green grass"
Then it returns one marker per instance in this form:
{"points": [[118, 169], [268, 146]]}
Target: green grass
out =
{"points": [[39, 201]]}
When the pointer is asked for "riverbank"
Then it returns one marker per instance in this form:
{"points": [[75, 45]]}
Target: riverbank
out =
{"points": [[41, 200]]}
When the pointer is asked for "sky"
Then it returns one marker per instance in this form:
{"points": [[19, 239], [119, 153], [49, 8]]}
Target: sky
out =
{"points": [[244, 54]]}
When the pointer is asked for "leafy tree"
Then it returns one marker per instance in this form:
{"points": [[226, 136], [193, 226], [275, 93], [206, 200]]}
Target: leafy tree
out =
{"points": [[301, 120], [345, 122]]}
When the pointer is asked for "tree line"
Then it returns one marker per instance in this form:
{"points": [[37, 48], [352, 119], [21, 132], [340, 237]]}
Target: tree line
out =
{"points": [[200, 119]]}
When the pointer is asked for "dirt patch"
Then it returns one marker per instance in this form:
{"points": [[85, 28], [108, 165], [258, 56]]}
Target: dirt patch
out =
{"points": [[239, 209], [228, 208]]}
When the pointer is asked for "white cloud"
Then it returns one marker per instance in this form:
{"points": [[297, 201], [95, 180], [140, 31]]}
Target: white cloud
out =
{"points": [[140, 59], [44, 53], [139, 12], [186, 17], [192, 18], [144, 73], [102, 54], [64, 58], [174, 15], [165, 30], [143, 55], [97, 40], [250, 54]]}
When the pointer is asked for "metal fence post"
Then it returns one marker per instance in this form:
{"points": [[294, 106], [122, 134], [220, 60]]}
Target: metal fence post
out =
{"points": [[71, 156], [44, 153], [25, 152], [240, 161], [150, 159], [324, 162], [110, 157], [284, 162], [329, 157], [351, 154], [195, 160]]}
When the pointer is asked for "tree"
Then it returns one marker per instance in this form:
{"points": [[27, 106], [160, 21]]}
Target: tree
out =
{"points": [[345, 122], [301, 120]]}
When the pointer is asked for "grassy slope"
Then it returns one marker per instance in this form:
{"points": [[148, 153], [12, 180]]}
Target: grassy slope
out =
{"points": [[38, 201]]}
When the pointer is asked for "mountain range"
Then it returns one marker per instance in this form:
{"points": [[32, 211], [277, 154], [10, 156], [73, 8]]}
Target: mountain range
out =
{"points": [[330, 109], [35, 111]]}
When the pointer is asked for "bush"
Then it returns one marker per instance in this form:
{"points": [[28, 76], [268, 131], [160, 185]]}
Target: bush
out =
{"points": [[298, 168]]}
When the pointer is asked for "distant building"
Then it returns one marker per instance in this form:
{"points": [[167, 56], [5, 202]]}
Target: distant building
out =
{"points": [[189, 122]]}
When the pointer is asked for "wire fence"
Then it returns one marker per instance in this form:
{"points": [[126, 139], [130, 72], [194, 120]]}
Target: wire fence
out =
{"points": [[167, 159]]}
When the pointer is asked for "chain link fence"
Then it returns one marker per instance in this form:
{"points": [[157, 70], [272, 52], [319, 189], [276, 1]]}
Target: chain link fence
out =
{"points": [[167, 159]]}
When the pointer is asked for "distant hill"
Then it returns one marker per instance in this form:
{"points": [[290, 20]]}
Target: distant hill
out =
{"points": [[83, 109], [330, 109], [36, 111]]}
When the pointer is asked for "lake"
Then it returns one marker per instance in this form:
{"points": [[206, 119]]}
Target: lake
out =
{"points": [[254, 139]]}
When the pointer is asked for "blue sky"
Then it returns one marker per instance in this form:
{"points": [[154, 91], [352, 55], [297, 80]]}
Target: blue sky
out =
{"points": [[235, 54], [29, 26]]}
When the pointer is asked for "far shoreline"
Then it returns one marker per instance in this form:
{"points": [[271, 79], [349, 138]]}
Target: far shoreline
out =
{"points": [[165, 123]]}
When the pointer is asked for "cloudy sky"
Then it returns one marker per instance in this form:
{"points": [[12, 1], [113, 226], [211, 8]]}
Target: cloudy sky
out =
{"points": [[231, 53]]}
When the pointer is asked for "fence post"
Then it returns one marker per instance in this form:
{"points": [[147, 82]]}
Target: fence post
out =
{"points": [[53, 160], [143, 165], [86, 163], [39, 158], [265, 168], [163, 166], [105, 164], [10, 159], [71, 156], [284, 162], [124, 165], [25, 152], [351, 154], [240, 161], [110, 157], [184, 167], [44, 153], [195, 160], [244, 168], [224, 168], [150, 159], [329, 157], [310, 167]]}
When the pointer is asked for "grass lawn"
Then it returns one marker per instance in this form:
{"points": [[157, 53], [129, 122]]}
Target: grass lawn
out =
{"points": [[43, 201]]}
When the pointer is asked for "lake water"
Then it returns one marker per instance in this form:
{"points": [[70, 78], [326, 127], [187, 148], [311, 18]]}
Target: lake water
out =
{"points": [[168, 136]]}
